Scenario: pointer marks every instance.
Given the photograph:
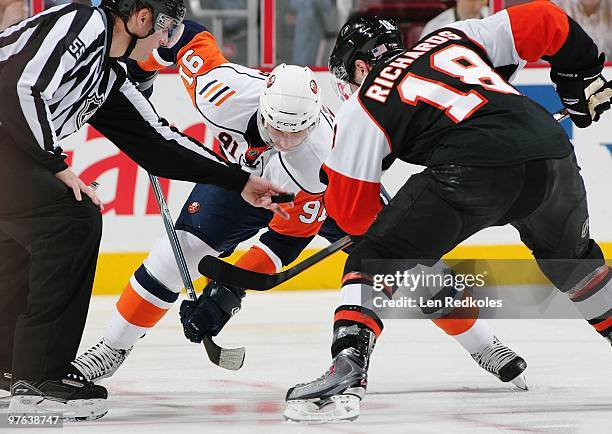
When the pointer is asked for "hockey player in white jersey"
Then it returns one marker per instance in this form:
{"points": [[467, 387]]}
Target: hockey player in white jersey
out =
{"points": [[272, 124], [250, 113]]}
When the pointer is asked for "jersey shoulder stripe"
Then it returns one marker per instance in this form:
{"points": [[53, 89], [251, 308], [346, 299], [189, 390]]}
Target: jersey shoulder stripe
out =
{"points": [[228, 96]]}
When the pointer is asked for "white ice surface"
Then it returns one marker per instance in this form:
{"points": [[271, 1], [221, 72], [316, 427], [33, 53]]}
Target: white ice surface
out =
{"points": [[420, 380]]}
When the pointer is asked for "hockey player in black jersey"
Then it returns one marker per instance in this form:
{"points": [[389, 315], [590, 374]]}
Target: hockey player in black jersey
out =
{"points": [[492, 156], [59, 70]]}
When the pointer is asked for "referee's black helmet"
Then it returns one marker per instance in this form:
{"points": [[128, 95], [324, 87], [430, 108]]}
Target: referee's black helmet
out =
{"points": [[165, 12]]}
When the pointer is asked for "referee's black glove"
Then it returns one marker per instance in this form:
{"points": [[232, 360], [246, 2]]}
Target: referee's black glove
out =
{"points": [[585, 94], [141, 78]]}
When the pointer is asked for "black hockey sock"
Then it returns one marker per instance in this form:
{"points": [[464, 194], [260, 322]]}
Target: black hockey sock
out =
{"points": [[593, 298], [353, 326]]}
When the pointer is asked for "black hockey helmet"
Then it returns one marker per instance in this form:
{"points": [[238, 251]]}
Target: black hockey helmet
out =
{"points": [[167, 14], [366, 38]]}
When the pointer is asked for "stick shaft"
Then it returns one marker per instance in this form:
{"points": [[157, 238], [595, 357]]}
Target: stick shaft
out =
{"points": [[171, 232]]}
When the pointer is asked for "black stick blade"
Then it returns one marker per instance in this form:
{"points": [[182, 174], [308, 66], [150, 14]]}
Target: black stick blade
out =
{"points": [[221, 271]]}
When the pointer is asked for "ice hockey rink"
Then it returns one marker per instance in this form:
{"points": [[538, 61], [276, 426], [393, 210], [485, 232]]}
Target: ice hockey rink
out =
{"points": [[420, 381]]}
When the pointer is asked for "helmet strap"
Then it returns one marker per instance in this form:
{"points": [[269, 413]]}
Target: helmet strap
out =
{"points": [[134, 37]]}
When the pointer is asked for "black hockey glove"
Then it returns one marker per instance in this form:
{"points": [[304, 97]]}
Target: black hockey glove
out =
{"points": [[585, 94], [211, 311], [141, 78]]}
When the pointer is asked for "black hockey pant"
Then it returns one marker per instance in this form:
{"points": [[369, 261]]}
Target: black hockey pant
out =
{"points": [[48, 252], [544, 200]]}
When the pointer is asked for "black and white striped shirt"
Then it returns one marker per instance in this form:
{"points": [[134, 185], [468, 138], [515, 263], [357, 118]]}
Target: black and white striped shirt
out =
{"points": [[56, 74]]}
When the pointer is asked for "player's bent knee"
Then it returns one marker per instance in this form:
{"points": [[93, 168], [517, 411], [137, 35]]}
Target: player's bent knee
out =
{"points": [[365, 249], [565, 272]]}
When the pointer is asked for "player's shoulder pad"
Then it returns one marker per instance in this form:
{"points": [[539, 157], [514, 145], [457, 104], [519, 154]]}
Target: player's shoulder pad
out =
{"points": [[229, 95], [352, 105]]}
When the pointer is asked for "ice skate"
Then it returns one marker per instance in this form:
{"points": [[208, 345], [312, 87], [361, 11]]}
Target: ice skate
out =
{"points": [[73, 396], [502, 362], [335, 396], [100, 361], [5, 389]]}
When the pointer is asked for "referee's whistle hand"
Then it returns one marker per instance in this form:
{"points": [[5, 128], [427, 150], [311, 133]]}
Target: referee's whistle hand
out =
{"points": [[258, 192], [78, 187]]}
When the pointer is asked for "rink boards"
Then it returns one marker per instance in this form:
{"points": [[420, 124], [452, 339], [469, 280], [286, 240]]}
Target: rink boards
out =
{"points": [[132, 222]]}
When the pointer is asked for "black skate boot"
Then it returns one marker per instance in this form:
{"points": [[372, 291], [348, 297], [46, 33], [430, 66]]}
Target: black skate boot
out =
{"points": [[5, 381], [502, 362], [335, 396], [100, 361], [5, 389], [73, 396]]}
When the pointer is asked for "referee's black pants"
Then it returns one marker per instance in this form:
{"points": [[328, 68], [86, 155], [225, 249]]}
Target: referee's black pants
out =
{"points": [[48, 252]]}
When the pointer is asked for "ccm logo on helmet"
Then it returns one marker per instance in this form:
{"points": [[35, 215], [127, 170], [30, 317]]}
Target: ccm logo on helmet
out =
{"points": [[288, 124], [271, 81]]}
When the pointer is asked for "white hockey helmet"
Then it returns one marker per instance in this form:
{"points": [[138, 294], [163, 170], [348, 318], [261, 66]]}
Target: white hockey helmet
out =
{"points": [[289, 106]]}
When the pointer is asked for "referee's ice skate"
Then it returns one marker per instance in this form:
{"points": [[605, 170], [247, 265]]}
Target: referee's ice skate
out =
{"points": [[5, 389], [73, 396], [335, 396]]}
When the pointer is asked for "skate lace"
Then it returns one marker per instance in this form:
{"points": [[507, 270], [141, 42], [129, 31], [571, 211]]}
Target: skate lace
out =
{"points": [[98, 360], [326, 374], [494, 357]]}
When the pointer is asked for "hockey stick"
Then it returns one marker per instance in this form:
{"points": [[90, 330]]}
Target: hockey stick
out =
{"points": [[228, 358], [221, 271], [561, 115]]}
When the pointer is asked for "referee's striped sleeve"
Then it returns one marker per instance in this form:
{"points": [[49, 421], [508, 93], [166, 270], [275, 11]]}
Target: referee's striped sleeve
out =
{"points": [[129, 120], [48, 51]]}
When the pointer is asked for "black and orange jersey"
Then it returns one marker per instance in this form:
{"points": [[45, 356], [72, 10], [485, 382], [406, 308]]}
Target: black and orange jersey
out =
{"points": [[448, 100]]}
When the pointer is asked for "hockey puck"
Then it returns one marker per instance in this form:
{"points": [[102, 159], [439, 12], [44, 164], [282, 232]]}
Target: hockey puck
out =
{"points": [[283, 198]]}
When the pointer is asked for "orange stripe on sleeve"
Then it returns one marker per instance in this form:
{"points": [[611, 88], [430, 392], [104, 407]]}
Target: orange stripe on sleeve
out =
{"points": [[225, 98], [256, 260], [539, 29], [138, 311], [213, 89], [151, 64], [205, 47]]}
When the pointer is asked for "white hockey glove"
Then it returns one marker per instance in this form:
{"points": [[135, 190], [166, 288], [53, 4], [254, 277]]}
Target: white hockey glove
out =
{"points": [[585, 94], [600, 101]]}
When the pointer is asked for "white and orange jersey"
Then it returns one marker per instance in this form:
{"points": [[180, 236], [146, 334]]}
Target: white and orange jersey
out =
{"points": [[225, 94], [448, 100], [296, 172], [227, 97]]}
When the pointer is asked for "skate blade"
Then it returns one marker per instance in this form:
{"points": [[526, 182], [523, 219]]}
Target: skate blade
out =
{"points": [[72, 411], [520, 382], [339, 408]]}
